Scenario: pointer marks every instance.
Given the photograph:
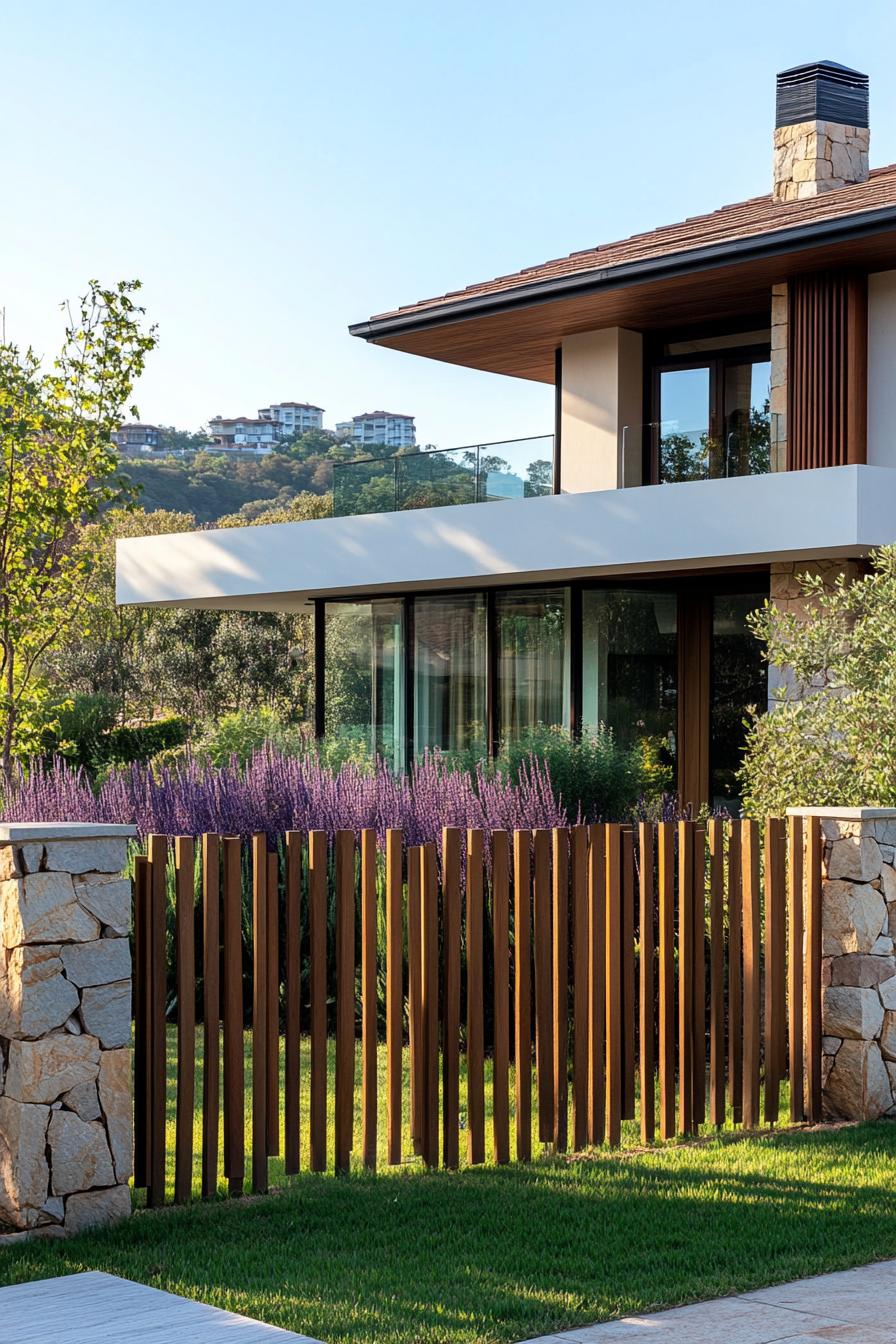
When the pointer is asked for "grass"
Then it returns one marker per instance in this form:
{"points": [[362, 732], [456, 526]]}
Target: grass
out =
{"points": [[488, 1254], [501, 1254]]}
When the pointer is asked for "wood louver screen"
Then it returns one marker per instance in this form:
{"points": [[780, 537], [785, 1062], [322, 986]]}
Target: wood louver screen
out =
{"points": [[827, 370]]}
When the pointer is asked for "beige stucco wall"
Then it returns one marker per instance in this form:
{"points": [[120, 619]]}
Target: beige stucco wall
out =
{"points": [[882, 369], [602, 394]]}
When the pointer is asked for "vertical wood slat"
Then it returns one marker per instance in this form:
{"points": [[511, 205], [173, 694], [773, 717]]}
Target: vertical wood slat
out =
{"points": [[429, 982], [795, 926], [292, 995], [560, 988], [544, 1033], [344, 1082], [394, 991], [142, 1020], [685, 977], [735, 975], [716, 834], [646, 982], [234, 1058], [613, 982], [666, 878], [627, 936], [522, 992], [579, 890], [318, 856], [597, 976], [415, 1026], [751, 974], [475, 990], [260, 955], [813, 968], [698, 1054], [211, 1010], [272, 1011], [501, 1030], [158, 857], [775, 982], [368, 998], [451, 911]]}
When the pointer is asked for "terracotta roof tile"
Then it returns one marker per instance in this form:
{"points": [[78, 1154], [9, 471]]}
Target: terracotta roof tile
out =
{"points": [[745, 219]]}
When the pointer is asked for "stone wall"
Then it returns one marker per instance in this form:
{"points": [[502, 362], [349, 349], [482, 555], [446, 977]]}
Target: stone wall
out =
{"points": [[786, 592], [778, 379], [816, 156], [66, 1117], [858, 1012]]}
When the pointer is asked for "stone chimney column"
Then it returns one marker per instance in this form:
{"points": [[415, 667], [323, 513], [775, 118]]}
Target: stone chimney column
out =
{"points": [[66, 1106], [821, 130]]}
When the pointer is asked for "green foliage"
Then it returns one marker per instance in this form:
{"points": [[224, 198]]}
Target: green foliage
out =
{"points": [[144, 741], [85, 731], [210, 485], [592, 773], [59, 470], [831, 738]]}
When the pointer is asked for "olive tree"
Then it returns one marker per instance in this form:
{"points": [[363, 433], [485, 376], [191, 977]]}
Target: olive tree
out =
{"points": [[830, 738]]}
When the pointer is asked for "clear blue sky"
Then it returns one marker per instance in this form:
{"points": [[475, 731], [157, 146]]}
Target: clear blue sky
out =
{"points": [[273, 171]]}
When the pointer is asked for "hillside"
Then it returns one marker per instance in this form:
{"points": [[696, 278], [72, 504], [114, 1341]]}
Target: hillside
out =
{"points": [[210, 486]]}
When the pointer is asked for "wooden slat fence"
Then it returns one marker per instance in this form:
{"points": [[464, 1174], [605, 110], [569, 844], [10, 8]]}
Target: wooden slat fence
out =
{"points": [[653, 980]]}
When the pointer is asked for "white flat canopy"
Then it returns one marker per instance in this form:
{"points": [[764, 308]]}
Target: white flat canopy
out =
{"points": [[832, 511]]}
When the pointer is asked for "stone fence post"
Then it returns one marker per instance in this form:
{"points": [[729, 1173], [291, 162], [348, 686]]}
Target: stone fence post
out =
{"points": [[858, 923], [66, 1110]]}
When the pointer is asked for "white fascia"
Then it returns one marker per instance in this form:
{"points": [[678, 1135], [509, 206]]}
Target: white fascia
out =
{"points": [[831, 512]]}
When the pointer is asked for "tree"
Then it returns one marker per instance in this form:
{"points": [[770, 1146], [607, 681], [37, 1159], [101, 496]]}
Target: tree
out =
{"points": [[172, 440], [60, 468], [831, 737]]}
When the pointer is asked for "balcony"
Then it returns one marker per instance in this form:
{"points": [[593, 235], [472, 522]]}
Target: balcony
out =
{"points": [[478, 474]]}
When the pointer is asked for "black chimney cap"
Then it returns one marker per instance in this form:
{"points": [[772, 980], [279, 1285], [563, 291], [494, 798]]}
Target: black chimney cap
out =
{"points": [[822, 91]]}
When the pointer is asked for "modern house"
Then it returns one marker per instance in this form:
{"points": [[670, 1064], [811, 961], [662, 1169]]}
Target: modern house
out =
{"points": [[244, 434], [725, 403], [134, 439], [293, 417], [380, 427]]}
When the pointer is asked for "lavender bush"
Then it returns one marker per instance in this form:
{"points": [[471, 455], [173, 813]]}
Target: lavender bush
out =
{"points": [[274, 793]]}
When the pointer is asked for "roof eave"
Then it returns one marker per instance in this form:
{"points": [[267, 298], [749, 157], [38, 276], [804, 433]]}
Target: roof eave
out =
{"points": [[781, 242]]}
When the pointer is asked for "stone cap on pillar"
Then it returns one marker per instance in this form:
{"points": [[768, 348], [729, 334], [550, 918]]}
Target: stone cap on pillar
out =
{"points": [[20, 832], [845, 813]]}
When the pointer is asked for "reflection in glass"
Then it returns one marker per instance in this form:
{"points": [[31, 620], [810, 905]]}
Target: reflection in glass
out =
{"points": [[630, 666], [364, 679], [449, 673], [532, 660], [747, 419], [739, 680], [684, 428]]}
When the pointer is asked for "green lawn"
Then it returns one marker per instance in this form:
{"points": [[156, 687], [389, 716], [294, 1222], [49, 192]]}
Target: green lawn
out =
{"points": [[491, 1254]]}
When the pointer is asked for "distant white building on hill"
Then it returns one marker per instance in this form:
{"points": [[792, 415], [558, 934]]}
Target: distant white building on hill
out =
{"points": [[134, 439], [244, 434], [374, 427], [293, 417]]}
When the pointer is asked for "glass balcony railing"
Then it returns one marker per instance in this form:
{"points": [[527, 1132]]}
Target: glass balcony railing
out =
{"points": [[696, 454], [416, 479]]}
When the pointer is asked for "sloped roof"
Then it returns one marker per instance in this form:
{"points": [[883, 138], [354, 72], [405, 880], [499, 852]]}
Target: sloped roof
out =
{"points": [[762, 215]]}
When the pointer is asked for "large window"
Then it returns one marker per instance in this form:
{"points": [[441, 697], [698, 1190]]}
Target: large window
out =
{"points": [[532, 631], [739, 681], [450, 673], [629, 666], [364, 680], [711, 413]]}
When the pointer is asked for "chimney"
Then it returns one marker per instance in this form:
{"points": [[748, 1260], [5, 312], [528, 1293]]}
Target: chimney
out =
{"points": [[821, 130]]}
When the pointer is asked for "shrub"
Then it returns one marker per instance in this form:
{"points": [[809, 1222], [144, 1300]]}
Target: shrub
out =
{"points": [[144, 741], [831, 737], [83, 730], [593, 777]]}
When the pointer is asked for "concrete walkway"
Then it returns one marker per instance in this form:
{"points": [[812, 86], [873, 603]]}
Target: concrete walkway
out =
{"points": [[102, 1309], [857, 1306]]}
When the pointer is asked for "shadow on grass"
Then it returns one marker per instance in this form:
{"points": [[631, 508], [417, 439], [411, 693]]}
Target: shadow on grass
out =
{"points": [[501, 1254]]}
